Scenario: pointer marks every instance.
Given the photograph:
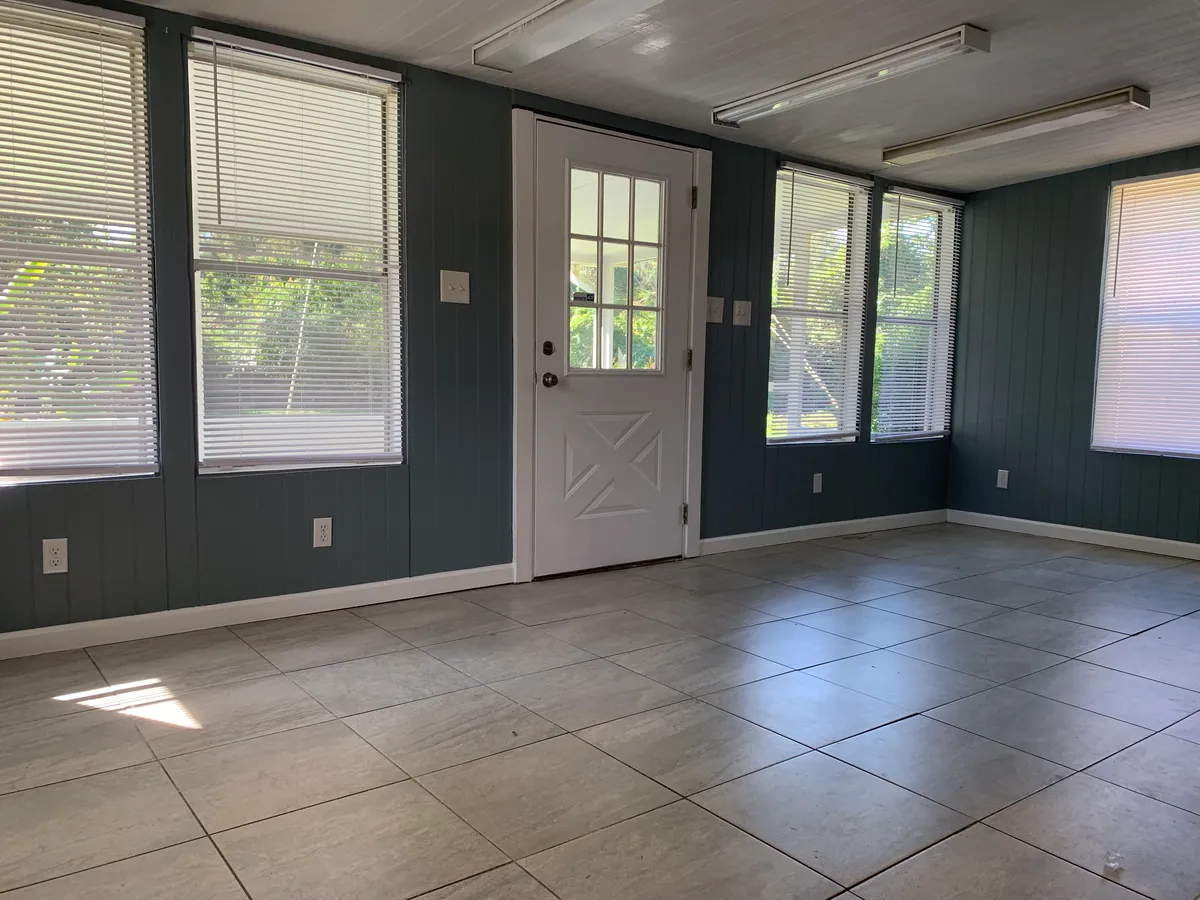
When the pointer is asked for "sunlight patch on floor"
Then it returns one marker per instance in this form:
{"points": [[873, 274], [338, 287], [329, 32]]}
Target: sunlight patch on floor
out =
{"points": [[146, 699]]}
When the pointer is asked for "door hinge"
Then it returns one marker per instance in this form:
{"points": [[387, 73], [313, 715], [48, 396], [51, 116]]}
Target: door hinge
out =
{"points": [[695, 196], [689, 360], [683, 511]]}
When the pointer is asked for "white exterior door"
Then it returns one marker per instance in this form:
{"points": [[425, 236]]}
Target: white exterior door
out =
{"points": [[612, 321]]}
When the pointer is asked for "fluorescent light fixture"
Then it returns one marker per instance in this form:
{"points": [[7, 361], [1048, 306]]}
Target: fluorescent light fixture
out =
{"points": [[881, 66], [1065, 115], [550, 29]]}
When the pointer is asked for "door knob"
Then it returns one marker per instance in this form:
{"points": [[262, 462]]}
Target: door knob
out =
{"points": [[549, 379]]}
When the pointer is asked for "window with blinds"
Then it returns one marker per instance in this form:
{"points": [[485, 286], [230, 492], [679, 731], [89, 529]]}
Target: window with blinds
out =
{"points": [[818, 287], [296, 184], [1148, 360], [919, 248], [77, 384]]}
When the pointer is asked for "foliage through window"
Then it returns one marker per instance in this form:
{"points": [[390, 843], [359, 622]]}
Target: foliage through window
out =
{"points": [[296, 195], [914, 333], [1148, 358], [77, 382], [818, 288]]}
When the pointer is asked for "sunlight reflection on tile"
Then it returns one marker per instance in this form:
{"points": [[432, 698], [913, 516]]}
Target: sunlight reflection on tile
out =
{"points": [[145, 699]]}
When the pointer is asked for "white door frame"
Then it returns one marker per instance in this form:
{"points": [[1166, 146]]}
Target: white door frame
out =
{"points": [[525, 345]]}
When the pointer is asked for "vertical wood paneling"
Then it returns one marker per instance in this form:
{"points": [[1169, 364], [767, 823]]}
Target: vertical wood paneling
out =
{"points": [[1025, 377]]}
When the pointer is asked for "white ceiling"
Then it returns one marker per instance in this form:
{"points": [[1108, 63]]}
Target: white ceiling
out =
{"points": [[678, 59]]}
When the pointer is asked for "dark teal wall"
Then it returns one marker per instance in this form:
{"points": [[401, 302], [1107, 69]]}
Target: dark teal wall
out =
{"points": [[1025, 372], [176, 540]]}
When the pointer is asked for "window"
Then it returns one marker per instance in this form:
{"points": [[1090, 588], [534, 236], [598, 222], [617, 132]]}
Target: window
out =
{"points": [[1148, 362], [77, 377], [919, 245], [614, 294], [818, 286], [297, 256]]}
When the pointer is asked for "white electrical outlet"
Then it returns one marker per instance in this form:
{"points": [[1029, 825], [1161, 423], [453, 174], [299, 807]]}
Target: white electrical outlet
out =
{"points": [[323, 532], [716, 309], [741, 312], [1002, 479], [54, 556], [817, 482], [456, 287]]}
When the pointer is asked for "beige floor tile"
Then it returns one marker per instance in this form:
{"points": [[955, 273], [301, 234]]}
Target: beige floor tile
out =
{"points": [[193, 870], [997, 591], [958, 769], [1044, 575], [1118, 695], [1150, 658], [906, 573], [871, 626], [1082, 818], [1144, 593], [1183, 632], [543, 602], [844, 823], [773, 567], [978, 655], [434, 620], [792, 644], [50, 750], [781, 600], [1055, 731], [443, 731], [182, 662], [1105, 570], [944, 609], [983, 864], [251, 780], [73, 825], [806, 709], [614, 632], [696, 613], [509, 882], [1043, 633], [679, 852], [391, 843], [1100, 613], [965, 564], [28, 685], [1188, 729], [304, 642], [848, 586], [691, 746], [698, 666], [902, 680], [1162, 767], [225, 713], [496, 657], [365, 684], [701, 578], [534, 797], [588, 693]]}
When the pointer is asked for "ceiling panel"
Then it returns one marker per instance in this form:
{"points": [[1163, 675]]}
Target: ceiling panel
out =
{"points": [[678, 59]]}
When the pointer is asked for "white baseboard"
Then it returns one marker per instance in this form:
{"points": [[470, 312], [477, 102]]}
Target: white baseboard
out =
{"points": [[1161, 546], [754, 539], [174, 621]]}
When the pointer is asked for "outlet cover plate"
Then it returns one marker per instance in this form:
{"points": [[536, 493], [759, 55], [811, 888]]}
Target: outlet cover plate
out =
{"points": [[716, 309], [323, 532], [1002, 479], [741, 312], [54, 556], [818, 482], [456, 286]]}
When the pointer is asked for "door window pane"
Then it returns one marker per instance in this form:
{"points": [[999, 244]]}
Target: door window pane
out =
{"points": [[582, 353], [644, 339], [616, 206], [645, 276], [582, 287], [616, 275], [585, 201], [647, 213], [614, 339]]}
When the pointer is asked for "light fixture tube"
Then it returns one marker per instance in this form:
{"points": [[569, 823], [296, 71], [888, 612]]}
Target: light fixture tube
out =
{"points": [[1065, 115], [881, 66], [550, 29]]}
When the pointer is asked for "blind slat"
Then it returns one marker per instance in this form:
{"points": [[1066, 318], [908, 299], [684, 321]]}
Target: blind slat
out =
{"points": [[919, 250], [77, 379], [296, 197], [818, 291], [1148, 355]]}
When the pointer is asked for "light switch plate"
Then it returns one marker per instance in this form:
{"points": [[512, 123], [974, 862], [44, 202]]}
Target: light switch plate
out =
{"points": [[741, 312], [818, 482], [716, 309], [456, 286]]}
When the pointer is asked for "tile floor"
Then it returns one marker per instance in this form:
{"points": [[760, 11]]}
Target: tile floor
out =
{"points": [[925, 713]]}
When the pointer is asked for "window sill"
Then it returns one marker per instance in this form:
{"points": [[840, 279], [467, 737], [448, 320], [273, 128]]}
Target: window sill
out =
{"points": [[909, 438], [262, 468]]}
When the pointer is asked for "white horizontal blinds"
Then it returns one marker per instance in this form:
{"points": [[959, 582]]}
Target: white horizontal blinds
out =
{"points": [[296, 197], [919, 249], [818, 288], [1148, 366], [77, 385]]}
